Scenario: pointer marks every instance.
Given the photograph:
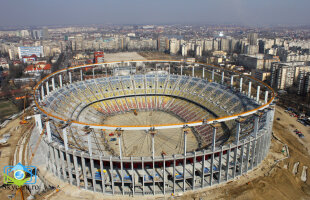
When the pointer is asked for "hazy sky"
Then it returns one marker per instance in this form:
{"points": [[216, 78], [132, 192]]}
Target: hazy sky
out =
{"points": [[244, 12]]}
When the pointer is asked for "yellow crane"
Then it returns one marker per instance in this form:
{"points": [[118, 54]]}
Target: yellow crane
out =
{"points": [[23, 121]]}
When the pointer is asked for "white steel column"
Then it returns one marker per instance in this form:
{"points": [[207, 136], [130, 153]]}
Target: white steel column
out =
{"points": [[122, 175], [164, 175], [48, 131], [60, 80], [47, 88], [227, 163], [84, 171], [56, 155], [241, 79], [212, 76], [258, 149], [181, 70], [53, 160], [203, 72], [132, 176], [81, 73], [211, 168], [266, 96], [119, 133], [70, 77], [76, 168], [112, 172], [203, 169], [247, 155], [256, 123], [174, 157], [193, 172], [102, 174], [142, 161], [93, 173], [220, 165], [241, 158], [237, 131], [153, 132], [258, 92], [89, 144], [223, 76], [53, 83], [213, 137], [253, 153], [64, 131], [153, 146], [93, 72], [249, 91], [232, 81], [185, 130], [235, 162], [42, 92], [63, 164]]}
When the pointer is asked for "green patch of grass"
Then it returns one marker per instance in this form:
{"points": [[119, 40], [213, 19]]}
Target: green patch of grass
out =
{"points": [[7, 108]]}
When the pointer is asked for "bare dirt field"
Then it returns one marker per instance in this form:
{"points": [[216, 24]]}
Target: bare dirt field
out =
{"points": [[158, 55], [138, 143], [122, 56]]}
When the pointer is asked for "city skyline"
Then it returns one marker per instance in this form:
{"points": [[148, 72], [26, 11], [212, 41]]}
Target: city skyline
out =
{"points": [[36, 13]]}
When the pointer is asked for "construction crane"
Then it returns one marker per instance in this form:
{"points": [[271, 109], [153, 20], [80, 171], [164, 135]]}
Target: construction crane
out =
{"points": [[23, 121]]}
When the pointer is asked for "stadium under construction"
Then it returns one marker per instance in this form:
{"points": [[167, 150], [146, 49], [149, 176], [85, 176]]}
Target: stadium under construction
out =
{"points": [[139, 130]]}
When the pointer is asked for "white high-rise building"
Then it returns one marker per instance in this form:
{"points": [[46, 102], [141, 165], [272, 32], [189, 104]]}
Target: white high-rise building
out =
{"points": [[24, 33], [174, 46], [184, 50], [198, 51]]}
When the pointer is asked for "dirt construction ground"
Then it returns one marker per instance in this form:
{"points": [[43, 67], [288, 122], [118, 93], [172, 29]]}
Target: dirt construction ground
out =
{"points": [[271, 180]]}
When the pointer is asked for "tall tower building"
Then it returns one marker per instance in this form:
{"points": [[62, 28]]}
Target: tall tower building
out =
{"points": [[174, 46], [224, 44], [162, 44], [198, 51], [184, 50], [252, 38], [45, 33]]}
